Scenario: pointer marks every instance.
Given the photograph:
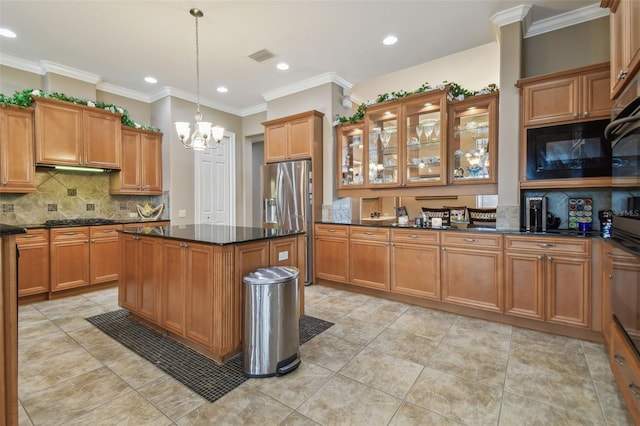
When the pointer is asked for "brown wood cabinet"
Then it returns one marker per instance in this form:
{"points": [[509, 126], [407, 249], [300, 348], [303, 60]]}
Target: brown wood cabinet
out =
{"points": [[331, 252], [415, 263], [17, 159], [369, 257], [295, 137], [471, 272], [549, 279], [76, 135], [624, 28], [83, 255], [626, 370], [8, 332], [140, 258], [33, 263], [141, 171], [568, 96]]}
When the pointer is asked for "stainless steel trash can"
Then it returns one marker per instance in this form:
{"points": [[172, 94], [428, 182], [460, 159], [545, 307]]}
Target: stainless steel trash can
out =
{"points": [[271, 313]]}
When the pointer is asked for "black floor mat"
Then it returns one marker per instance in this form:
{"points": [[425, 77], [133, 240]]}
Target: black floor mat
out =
{"points": [[202, 375]]}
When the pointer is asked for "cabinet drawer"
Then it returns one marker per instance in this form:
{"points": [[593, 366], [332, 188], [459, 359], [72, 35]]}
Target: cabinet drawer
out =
{"points": [[415, 236], [332, 230], [548, 245], [107, 231], [33, 236], [146, 224], [369, 233], [471, 239], [626, 370], [66, 234]]}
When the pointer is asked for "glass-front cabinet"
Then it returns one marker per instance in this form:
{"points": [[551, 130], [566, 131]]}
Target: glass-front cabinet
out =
{"points": [[425, 142], [351, 155], [381, 132], [473, 135]]}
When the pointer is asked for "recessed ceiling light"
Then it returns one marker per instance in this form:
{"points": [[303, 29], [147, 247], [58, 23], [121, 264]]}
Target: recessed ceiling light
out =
{"points": [[222, 89], [150, 80], [5, 32], [389, 40], [282, 66]]}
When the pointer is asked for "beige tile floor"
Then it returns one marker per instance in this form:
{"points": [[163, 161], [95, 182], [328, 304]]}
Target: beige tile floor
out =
{"points": [[382, 362]]}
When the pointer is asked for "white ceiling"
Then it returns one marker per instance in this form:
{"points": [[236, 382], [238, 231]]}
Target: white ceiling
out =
{"points": [[120, 42]]}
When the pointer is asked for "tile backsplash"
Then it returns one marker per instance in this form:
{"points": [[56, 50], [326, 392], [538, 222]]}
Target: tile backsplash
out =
{"points": [[69, 195]]}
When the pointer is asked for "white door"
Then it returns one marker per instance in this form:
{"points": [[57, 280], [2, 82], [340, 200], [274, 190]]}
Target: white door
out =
{"points": [[215, 183]]}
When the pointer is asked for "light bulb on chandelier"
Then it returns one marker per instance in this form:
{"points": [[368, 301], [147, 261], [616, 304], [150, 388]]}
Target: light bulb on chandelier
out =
{"points": [[205, 135]]}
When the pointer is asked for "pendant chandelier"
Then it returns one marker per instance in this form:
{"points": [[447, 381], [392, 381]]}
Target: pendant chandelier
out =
{"points": [[205, 135]]}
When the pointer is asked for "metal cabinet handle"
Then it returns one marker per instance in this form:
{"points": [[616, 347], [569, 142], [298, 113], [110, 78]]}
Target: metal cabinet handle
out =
{"points": [[331, 230], [545, 245], [86, 241], [619, 359], [622, 74], [29, 236], [540, 257], [107, 231], [635, 390], [576, 115], [93, 241], [413, 236], [70, 233], [549, 258], [368, 233], [586, 113], [444, 249], [470, 240]]}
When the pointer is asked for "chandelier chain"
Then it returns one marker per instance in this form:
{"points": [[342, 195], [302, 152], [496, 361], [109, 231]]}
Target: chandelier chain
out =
{"points": [[197, 67]]}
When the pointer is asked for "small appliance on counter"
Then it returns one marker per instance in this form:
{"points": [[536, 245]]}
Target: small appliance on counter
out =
{"points": [[535, 214], [580, 211], [605, 217]]}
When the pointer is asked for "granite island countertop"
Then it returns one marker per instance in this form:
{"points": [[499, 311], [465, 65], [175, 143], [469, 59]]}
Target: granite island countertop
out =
{"points": [[211, 234], [11, 230]]}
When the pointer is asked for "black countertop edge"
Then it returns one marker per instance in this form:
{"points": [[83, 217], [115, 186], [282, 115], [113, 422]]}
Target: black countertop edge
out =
{"points": [[472, 228], [11, 230], [211, 234], [116, 222]]}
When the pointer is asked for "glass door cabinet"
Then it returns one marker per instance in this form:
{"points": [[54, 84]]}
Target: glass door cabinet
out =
{"points": [[350, 155], [425, 143], [381, 132], [473, 134]]}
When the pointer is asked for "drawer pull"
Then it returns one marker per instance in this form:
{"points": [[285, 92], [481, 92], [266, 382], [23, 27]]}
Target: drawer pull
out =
{"points": [[368, 233], [107, 231], [28, 236], [413, 236], [545, 245], [619, 359], [635, 390], [470, 240], [331, 230], [70, 233]]}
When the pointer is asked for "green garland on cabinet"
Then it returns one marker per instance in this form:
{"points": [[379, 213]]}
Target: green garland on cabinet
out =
{"points": [[456, 92], [24, 99]]}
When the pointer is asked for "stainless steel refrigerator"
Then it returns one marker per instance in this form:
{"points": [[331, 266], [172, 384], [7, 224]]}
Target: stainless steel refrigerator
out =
{"points": [[286, 201]]}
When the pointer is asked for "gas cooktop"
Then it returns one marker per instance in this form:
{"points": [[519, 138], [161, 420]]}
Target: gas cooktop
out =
{"points": [[79, 222]]}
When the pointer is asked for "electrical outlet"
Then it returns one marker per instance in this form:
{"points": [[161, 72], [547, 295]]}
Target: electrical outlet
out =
{"points": [[182, 213], [283, 255]]}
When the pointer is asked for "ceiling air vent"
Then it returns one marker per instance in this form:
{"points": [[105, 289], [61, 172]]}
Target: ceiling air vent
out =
{"points": [[261, 55]]}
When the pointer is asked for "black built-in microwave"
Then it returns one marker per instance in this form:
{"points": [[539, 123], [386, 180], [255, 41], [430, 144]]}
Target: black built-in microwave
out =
{"points": [[574, 150]]}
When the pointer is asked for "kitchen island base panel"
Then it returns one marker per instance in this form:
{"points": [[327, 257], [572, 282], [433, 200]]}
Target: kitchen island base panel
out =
{"points": [[576, 333], [26, 300]]}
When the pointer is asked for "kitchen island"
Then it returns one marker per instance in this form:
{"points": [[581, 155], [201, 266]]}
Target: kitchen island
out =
{"points": [[187, 280]]}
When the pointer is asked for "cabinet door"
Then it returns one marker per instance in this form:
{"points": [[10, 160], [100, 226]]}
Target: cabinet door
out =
{"points": [[415, 270], [284, 252], [33, 263], [199, 293], [17, 161], [350, 155], [524, 285], [300, 139], [173, 287], [331, 258], [151, 163], [275, 143], [149, 261], [129, 177], [69, 258], [382, 157], [105, 262], [596, 102], [369, 264], [128, 291], [58, 134], [568, 291], [551, 101], [472, 278], [101, 139]]}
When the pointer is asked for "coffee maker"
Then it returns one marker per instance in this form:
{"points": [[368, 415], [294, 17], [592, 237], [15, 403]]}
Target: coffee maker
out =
{"points": [[535, 214]]}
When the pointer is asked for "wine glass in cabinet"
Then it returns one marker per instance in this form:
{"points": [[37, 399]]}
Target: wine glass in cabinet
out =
{"points": [[382, 136], [350, 154], [473, 134], [424, 153]]}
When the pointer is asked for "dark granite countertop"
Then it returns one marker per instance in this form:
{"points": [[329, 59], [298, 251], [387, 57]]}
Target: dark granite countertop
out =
{"points": [[472, 228], [115, 222], [11, 230], [211, 234]]}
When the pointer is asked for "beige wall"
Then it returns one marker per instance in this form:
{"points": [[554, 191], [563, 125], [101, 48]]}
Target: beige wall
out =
{"points": [[13, 80], [248, 166], [140, 112], [572, 47], [69, 86]]}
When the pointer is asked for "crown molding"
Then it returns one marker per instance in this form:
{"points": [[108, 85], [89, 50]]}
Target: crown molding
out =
{"points": [[578, 16], [52, 67], [256, 109], [310, 83], [20, 64], [122, 91], [510, 16], [191, 97]]}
